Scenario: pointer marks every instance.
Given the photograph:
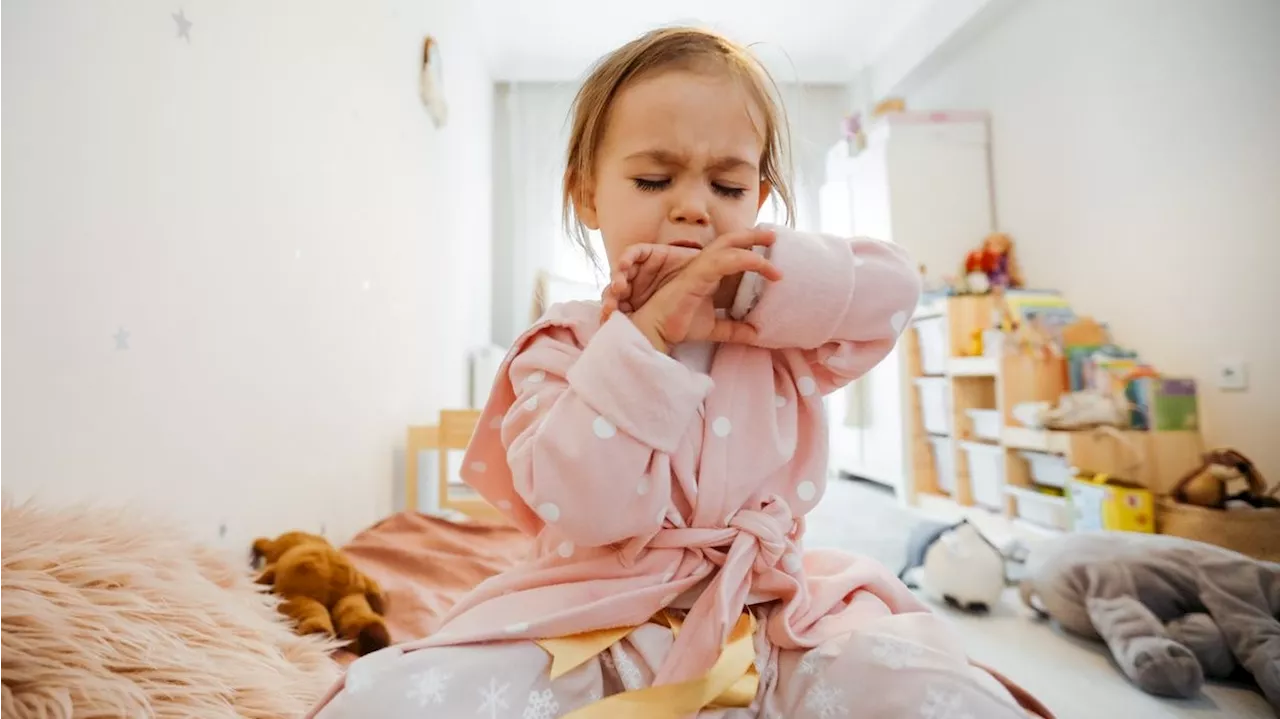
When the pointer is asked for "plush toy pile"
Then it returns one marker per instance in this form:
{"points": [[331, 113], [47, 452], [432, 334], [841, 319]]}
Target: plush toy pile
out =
{"points": [[322, 591]]}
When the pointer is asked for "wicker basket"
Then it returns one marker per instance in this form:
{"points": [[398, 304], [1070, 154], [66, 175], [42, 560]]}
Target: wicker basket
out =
{"points": [[1253, 532]]}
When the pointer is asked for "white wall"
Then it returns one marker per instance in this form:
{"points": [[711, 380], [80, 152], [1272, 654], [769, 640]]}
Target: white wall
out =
{"points": [[300, 260], [1137, 164]]}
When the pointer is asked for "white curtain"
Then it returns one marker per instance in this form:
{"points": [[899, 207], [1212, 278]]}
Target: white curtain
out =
{"points": [[531, 126], [531, 130]]}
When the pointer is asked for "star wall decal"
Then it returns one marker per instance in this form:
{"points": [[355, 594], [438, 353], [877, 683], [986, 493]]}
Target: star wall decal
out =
{"points": [[184, 25]]}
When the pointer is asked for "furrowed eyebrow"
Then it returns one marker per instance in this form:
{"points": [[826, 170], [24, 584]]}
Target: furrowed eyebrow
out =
{"points": [[671, 159]]}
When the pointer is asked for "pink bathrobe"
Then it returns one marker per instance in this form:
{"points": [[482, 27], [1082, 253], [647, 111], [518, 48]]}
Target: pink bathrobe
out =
{"points": [[647, 482], [593, 441]]}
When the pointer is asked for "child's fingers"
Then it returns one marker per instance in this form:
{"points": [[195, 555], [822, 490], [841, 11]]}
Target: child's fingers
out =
{"points": [[620, 284], [745, 239], [726, 330], [635, 255], [735, 261]]}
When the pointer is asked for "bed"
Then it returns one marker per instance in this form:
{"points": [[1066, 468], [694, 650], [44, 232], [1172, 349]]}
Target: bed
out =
{"points": [[426, 563]]}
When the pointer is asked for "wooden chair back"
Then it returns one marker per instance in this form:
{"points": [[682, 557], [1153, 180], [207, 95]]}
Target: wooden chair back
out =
{"points": [[453, 432]]}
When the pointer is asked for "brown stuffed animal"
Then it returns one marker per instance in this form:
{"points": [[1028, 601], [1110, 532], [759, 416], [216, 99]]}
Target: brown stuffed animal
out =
{"points": [[1211, 484], [323, 592]]}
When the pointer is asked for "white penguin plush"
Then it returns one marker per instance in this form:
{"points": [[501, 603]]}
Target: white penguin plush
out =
{"points": [[959, 566]]}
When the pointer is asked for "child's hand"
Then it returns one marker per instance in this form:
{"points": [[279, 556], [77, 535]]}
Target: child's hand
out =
{"points": [[681, 307], [641, 271]]}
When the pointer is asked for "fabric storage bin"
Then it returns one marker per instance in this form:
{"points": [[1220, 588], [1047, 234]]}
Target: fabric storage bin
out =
{"points": [[986, 423], [935, 404], [931, 335], [944, 463], [1039, 508], [992, 343], [986, 473], [1051, 470]]}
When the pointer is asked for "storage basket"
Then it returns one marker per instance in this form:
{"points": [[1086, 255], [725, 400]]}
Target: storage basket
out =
{"points": [[944, 463], [1051, 470], [986, 473], [986, 423], [1043, 509], [935, 404], [931, 335], [1253, 532]]}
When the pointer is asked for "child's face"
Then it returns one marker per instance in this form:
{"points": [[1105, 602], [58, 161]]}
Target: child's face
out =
{"points": [[679, 164]]}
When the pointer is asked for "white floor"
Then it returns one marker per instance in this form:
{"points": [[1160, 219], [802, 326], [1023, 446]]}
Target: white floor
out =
{"points": [[1073, 677]]}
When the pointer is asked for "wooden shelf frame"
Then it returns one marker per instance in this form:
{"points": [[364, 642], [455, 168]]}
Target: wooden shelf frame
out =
{"points": [[1149, 459], [976, 382]]}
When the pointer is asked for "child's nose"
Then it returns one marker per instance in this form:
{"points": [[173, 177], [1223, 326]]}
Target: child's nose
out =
{"points": [[690, 210]]}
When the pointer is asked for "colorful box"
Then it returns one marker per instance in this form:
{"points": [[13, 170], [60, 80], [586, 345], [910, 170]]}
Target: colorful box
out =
{"points": [[1163, 404], [1100, 502]]}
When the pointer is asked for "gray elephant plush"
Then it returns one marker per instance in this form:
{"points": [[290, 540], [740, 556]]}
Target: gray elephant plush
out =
{"points": [[1172, 611]]}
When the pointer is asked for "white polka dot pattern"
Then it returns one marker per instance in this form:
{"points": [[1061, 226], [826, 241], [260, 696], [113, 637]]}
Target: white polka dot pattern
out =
{"points": [[565, 549], [603, 428], [807, 386], [898, 321], [531, 404], [722, 427], [517, 628], [806, 490], [780, 401], [479, 466], [536, 377], [643, 487], [792, 563], [549, 512]]}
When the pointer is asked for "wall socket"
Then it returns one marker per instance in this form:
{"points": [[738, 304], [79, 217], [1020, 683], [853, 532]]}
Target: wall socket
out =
{"points": [[1232, 375]]}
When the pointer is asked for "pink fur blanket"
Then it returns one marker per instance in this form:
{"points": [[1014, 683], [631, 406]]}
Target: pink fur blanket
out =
{"points": [[107, 614]]}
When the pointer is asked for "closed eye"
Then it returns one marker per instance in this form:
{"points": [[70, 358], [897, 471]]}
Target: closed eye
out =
{"points": [[733, 193], [649, 185]]}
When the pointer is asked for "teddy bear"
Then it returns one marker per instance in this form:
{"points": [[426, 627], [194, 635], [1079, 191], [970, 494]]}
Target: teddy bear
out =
{"points": [[322, 591], [1172, 611]]}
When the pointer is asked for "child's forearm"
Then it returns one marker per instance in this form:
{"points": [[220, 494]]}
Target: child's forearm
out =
{"points": [[834, 290]]}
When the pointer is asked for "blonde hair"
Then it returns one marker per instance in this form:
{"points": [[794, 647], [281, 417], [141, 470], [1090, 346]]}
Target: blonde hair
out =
{"points": [[676, 48]]}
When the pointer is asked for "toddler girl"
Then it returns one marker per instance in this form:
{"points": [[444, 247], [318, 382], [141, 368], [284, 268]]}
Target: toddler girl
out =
{"points": [[664, 445]]}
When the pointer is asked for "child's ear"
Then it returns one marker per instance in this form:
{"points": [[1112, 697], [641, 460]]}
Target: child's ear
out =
{"points": [[584, 205], [766, 187]]}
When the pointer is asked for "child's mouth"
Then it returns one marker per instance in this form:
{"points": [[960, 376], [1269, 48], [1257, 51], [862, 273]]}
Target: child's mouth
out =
{"points": [[686, 243]]}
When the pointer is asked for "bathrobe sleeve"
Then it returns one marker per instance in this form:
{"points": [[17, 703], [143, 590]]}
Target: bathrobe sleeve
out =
{"points": [[841, 302], [587, 423]]}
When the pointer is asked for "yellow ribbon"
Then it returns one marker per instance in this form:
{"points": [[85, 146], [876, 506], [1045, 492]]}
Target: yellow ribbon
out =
{"points": [[731, 682]]}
